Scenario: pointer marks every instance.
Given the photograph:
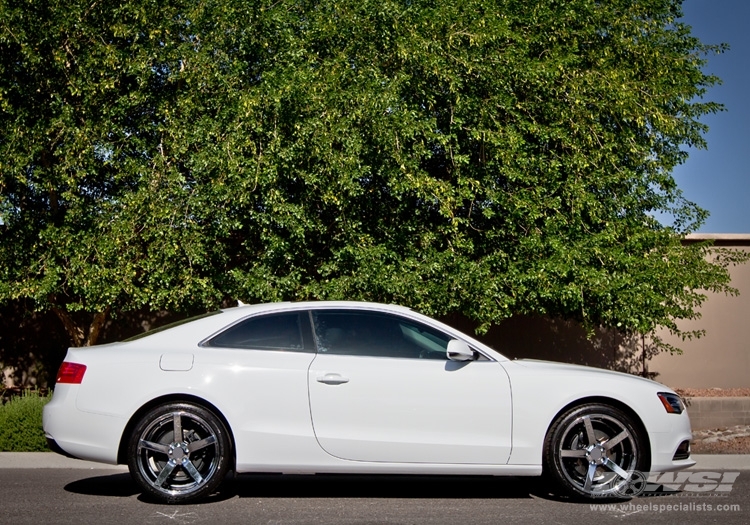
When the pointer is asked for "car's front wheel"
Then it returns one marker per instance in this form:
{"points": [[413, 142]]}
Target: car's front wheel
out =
{"points": [[595, 451], [179, 452]]}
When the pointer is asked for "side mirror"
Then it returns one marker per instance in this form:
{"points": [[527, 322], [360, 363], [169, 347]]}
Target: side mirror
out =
{"points": [[459, 351]]}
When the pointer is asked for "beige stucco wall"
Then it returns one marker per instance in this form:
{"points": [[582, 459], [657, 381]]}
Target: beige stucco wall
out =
{"points": [[721, 358]]}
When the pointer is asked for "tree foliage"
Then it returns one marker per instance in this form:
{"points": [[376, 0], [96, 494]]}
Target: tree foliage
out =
{"points": [[488, 157]]}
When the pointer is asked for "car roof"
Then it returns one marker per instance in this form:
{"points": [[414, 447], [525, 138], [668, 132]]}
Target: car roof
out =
{"points": [[314, 305]]}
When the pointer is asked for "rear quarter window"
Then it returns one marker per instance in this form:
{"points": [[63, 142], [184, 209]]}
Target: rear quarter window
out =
{"points": [[281, 331]]}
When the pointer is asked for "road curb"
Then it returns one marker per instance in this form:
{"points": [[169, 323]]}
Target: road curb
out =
{"points": [[37, 460], [721, 462]]}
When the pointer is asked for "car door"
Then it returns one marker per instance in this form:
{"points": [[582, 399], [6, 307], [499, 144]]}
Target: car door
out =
{"points": [[382, 389]]}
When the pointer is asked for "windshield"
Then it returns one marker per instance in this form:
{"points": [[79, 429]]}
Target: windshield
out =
{"points": [[171, 325]]}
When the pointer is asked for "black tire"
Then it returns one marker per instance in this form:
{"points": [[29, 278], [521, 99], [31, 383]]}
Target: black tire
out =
{"points": [[180, 470], [592, 451]]}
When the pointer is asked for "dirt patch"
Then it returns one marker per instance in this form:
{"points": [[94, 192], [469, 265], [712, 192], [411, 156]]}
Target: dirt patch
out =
{"points": [[740, 445], [713, 392], [733, 445]]}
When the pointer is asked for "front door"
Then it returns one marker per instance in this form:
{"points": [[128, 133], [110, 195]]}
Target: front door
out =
{"points": [[382, 389]]}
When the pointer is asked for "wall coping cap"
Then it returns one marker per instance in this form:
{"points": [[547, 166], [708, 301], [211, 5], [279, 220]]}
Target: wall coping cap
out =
{"points": [[719, 239]]}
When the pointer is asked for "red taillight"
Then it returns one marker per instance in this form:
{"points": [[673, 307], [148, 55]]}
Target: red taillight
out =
{"points": [[71, 373]]}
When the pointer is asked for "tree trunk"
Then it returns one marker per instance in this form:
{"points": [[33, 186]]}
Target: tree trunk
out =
{"points": [[76, 333], [96, 327]]}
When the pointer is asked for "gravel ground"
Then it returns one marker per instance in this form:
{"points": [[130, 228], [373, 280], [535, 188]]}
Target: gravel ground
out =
{"points": [[713, 392], [733, 440]]}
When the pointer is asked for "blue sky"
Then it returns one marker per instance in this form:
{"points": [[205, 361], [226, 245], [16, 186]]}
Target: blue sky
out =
{"points": [[718, 179]]}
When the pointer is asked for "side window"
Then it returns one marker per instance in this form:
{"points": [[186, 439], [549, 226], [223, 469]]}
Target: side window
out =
{"points": [[266, 332], [376, 335]]}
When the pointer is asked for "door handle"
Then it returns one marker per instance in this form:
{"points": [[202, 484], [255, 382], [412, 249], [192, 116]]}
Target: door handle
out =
{"points": [[332, 379]]}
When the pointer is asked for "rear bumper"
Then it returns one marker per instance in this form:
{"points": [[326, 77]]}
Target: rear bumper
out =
{"points": [[78, 434], [54, 447]]}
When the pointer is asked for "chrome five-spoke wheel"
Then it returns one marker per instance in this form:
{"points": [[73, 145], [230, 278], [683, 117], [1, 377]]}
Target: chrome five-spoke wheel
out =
{"points": [[594, 451], [178, 452]]}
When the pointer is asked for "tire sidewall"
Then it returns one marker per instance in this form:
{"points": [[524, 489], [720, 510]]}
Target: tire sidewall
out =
{"points": [[211, 484], [551, 466]]}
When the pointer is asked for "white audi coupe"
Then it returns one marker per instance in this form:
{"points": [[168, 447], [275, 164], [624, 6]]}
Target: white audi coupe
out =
{"points": [[353, 387]]}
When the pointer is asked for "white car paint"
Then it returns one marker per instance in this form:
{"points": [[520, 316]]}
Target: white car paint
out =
{"points": [[425, 411]]}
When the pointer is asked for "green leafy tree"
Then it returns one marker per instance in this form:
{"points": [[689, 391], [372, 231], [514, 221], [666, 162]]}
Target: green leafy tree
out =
{"points": [[488, 157], [97, 192]]}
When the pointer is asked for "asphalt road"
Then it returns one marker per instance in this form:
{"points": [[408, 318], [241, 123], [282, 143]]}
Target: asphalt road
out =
{"points": [[101, 497]]}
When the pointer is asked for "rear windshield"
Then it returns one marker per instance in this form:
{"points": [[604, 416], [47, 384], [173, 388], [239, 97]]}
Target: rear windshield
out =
{"points": [[171, 325]]}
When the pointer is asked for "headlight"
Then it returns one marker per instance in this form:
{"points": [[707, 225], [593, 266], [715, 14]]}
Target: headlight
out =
{"points": [[672, 402]]}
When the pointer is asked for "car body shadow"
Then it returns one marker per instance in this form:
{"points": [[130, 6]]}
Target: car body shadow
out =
{"points": [[119, 485], [336, 486], [382, 486]]}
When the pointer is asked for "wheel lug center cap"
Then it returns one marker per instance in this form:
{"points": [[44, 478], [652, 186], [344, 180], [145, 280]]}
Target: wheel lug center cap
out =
{"points": [[596, 454], [178, 451]]}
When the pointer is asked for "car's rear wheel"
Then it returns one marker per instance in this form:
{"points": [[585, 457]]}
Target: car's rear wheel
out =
{"points": [[595, 451], [179, 452]]}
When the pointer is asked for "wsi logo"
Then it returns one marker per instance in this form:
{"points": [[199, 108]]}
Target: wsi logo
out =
{"points": [[694, 481], [655, 483]]}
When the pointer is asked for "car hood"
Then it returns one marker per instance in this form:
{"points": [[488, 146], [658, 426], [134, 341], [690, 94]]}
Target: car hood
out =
{"points": [[562, 369]]}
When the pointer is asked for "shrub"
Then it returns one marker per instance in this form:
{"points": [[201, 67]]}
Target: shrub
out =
{"points": [[21, 423]]}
